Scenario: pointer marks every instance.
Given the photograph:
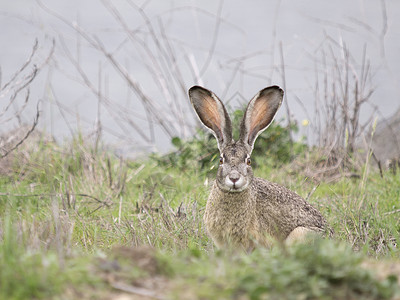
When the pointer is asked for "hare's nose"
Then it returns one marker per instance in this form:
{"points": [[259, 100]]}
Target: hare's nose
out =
{"points": [[233, 179], [234, 176]]}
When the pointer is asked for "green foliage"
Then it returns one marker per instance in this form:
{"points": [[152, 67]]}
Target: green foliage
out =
{"points": [[52, 235], [315, 271], [321, 270], [28, 274], [199, 152], [274, 147]]}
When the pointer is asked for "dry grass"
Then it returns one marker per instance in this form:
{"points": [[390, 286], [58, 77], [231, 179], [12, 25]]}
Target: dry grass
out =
{"points": [[91, 209]]}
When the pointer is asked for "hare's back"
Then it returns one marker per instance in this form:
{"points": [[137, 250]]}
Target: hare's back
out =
{"points": [[282, 210]]}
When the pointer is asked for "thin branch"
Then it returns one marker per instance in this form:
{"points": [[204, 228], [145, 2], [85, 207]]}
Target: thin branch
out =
{"points": [[384, 28], [285, 94], [23, 67], [35, 122], [104, 203], [214, 40], [141, 292]]}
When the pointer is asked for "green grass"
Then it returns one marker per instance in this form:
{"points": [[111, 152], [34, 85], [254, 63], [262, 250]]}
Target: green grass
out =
{"points": [[323, 269], [73, 223]]}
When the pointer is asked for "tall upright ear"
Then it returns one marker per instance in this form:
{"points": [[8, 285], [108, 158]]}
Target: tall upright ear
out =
{"points": [[260, 112], [212, 114]]}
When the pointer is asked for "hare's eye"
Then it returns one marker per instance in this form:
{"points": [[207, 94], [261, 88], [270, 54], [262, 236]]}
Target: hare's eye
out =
{"points": [[221, 160], [248, 161]]}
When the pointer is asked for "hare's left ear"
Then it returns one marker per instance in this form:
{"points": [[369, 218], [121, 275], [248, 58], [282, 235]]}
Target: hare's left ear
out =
{"points": [[259, 114]]}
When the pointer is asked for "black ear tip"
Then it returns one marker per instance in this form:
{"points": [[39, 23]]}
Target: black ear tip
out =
{"points": [[192, 89], [273, 88], [197, 88]]}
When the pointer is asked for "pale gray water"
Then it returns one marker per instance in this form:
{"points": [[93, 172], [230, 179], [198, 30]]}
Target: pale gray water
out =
{"points": [[248, 37]]}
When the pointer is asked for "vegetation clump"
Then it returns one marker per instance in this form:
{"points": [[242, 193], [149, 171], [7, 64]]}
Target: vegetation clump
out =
{"points": [[73, 220]]}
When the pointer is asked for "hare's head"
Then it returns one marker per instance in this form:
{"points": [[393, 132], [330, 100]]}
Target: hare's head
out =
{"points": [[234, 172]]}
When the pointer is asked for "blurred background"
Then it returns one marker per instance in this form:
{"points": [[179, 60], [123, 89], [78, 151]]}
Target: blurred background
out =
{"points": [[119, 71]]}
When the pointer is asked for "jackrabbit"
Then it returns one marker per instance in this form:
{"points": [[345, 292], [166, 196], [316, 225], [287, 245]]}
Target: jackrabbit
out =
{"points": [[243, 210]]}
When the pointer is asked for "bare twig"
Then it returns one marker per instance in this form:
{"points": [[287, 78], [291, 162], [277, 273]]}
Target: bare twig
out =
{"points": [[384, 28], [135, 290], [340, 94], [102, 202], [378, 163], [392, 212], [163, 107], [18, 83], [23, 67], [312, 192], [35, 122], [214, 40], [284, 88]]}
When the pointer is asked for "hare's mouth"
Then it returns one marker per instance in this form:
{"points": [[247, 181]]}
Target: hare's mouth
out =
{"points": [[235, 184]]}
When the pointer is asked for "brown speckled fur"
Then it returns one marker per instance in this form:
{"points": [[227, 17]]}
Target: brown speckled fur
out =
{"points": [[263, 212], [244, 211]]}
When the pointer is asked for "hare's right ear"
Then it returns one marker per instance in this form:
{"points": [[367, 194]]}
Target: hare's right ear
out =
{"points": [[212, 114], [259, 114]]}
